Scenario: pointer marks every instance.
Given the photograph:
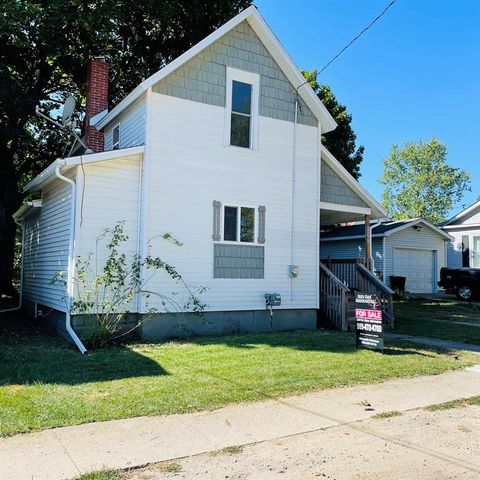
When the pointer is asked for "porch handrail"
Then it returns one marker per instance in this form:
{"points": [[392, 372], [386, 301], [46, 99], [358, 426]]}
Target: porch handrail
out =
{"points": [[363, 270], [371, 284], [333, 277], [333, 298]]}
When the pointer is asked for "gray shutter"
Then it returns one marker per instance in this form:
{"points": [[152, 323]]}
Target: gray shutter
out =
{"points": [[216, 220], [261, 224]]}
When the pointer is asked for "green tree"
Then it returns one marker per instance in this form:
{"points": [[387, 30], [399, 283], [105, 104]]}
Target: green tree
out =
{"points": [[45, 48], [420, 183], [342, 141]]}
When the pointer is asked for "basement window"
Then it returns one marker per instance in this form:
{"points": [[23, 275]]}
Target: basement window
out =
{"points": [[116, 137]]}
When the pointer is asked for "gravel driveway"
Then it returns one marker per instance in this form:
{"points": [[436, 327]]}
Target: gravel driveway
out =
{"points": [[417, 444]]}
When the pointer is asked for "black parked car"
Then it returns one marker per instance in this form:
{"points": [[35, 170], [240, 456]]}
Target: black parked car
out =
{"points": [[464, 281]]}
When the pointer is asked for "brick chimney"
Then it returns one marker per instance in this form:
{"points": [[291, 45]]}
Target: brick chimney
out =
{"points": [[97, 100]]}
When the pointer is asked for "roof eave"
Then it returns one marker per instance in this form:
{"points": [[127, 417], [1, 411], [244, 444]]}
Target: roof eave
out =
{"points": [[349, 237], [378, 211], [462, 214], [271, 43], [44, 177], [416, 221]]}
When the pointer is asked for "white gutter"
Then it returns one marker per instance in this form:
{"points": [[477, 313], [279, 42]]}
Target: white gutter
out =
{"points": [[71, 260], [20, 290]]}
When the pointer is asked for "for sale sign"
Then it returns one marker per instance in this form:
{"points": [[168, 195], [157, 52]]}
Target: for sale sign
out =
{"points": [[368, 319]]}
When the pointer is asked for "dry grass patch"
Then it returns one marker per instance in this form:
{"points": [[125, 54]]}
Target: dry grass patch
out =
{"points": [[233, 450], [388, 414]]}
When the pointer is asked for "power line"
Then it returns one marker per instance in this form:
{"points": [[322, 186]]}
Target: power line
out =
{"points": [[380, 15], [358, 36]]}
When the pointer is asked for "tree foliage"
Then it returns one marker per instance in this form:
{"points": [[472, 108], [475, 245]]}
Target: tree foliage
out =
{"points": [[45, 49], [420, 183], [342, 141]]}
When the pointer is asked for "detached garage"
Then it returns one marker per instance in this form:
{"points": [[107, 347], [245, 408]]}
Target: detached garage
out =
{"points": [[414, 249]]}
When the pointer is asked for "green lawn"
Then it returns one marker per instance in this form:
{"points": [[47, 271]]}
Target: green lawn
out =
{"points": [[438, 319], [44, 383]]}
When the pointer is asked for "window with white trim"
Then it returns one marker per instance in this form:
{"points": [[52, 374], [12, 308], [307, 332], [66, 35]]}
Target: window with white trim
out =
{"points": [[242, 108], [239, 224], [116, 137]]}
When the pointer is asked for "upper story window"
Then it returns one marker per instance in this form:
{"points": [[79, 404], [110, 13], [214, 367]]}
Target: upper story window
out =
{"points": [[116, 137], [239, 224], [241, 115], [242, 108]]}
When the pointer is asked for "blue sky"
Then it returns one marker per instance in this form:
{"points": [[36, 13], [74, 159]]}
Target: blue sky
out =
{"points": [[415, 74]]}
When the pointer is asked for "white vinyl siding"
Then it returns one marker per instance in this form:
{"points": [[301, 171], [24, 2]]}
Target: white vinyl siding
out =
{"points": [[472, 218], [409, 238], [46, 248], [110, 195], [132, 127], [455, 247], [190, 167]]}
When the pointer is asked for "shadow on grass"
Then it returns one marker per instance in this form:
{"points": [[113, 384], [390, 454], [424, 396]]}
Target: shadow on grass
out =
{"points": [[29, 354]]}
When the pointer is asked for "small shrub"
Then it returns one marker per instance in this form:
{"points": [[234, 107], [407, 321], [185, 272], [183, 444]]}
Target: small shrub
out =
{"points": [[103, 296]]}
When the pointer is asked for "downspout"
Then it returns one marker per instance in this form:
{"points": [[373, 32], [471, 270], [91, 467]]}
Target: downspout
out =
{"points": [[20, 290], [71, 259], [294, 165]]}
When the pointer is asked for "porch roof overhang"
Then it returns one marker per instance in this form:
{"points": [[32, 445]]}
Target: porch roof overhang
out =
{"points": [[332, 213]]}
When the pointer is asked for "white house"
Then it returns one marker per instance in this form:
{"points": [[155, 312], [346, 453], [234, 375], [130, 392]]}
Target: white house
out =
{"points": [[414, 249], [222, 149], [465, 229]]}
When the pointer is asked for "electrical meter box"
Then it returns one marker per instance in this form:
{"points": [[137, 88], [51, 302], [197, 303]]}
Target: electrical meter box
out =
{"points": [[273, 299], [293, 271]]}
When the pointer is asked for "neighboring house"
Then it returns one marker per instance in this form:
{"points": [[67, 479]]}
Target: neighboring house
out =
{"points": [[222, 149], [414, 249], [465, 229]]}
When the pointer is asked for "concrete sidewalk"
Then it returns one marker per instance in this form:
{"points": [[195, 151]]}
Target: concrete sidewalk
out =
{"points": [[63, 453]]}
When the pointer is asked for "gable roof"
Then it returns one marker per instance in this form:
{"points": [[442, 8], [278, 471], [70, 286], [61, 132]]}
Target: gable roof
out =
{"points": [[386, 229], [271, 43], [377, 208], [462, 214]]}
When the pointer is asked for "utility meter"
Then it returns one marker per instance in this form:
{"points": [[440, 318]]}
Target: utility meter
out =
{"points": [[293, 271], [273, 299]]}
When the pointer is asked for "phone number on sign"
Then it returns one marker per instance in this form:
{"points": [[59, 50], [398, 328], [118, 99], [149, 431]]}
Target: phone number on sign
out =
{"points": [[369, 327]]}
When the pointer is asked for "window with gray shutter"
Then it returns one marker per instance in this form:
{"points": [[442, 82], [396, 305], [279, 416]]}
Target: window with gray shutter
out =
{"points": [[261, 224], [217, 209]]}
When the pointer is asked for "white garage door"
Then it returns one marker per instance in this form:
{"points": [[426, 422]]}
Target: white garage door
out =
{"points": [[417, 266]]}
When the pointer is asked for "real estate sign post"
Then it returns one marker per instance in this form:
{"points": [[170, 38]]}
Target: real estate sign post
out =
{"points": [[368, 320]]}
